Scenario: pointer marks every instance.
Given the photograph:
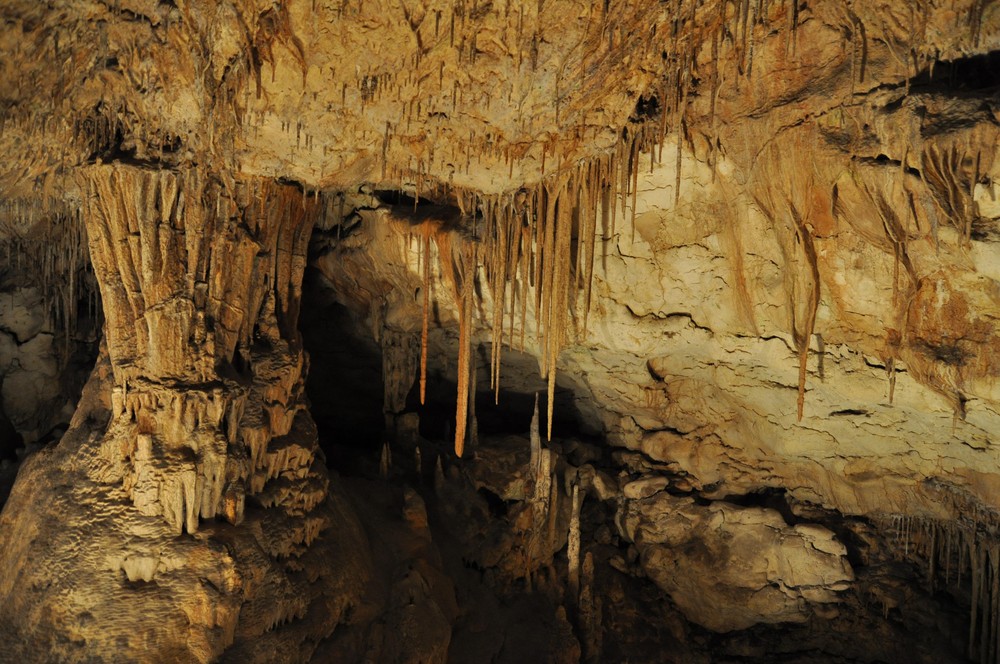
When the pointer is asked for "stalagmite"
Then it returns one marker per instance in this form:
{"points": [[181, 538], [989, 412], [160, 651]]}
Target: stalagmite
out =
{"points": [[573, 547], [535, 439], [385, 461]]}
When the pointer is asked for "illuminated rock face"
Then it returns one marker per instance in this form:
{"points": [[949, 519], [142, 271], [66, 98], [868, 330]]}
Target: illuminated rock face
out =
{"points": [[200, 292], [758, 240], [196, 408], [760, 569]]}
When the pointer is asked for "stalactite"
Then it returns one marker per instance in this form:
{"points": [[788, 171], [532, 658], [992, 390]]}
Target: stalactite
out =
{"points": [[634, 166], [546, 259], [541, 219], [802, 331], [464, 347], [613, 166], [590, 234], [625, 172], [557, 281], [426, 311], [679, 132], [517, 273], [526, 259]]}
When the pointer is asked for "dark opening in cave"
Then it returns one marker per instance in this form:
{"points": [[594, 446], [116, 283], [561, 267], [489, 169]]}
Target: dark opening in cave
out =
{"points": [[472, 510], [975, 74], [345, 387], [45, 360]]}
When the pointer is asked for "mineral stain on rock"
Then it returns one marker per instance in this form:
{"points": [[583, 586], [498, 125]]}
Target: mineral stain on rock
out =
{"points": [[447, 331]]}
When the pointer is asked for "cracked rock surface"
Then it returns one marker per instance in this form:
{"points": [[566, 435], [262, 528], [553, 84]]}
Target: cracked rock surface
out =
{"points": [[747, 254]]}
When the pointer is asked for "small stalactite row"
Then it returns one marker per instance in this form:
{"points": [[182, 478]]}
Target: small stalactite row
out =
{"points": [[963, 558]]}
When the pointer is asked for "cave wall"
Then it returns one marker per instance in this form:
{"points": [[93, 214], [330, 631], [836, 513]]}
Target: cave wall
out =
{"points": [[764, 258]]}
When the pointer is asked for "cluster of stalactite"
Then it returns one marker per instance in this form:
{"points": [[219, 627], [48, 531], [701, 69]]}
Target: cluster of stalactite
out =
{"points": [[961, 557], [54, 255], [540, 238], [536, 246], [678, 36], [539, 242]]}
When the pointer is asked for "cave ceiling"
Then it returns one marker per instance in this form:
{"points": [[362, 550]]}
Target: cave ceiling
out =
{"points": [[481, 96], [758, 239]]}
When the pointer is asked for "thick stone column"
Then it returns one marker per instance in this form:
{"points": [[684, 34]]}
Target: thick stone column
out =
{"points": [[178, 518], [200, 282]]}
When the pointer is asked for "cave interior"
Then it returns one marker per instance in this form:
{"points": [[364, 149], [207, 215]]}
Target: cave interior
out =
{"points": [[500, 331]]}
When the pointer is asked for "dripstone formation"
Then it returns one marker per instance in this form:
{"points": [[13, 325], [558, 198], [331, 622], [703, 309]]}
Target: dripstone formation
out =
{"points": [[363, 331]]}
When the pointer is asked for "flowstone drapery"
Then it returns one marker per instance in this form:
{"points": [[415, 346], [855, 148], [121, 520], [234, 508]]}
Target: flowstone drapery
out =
{"points": [[195, 416]]}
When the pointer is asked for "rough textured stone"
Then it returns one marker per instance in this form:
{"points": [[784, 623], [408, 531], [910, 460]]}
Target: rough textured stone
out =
{"points": [[194, 414], [728, 568], [789, 210]]}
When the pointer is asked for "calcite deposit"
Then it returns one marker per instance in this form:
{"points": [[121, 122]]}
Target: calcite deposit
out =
{"points": [[753, 568], [671, 325]]}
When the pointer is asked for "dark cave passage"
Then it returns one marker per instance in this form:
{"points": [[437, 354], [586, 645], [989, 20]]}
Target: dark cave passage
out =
{"points": [[345, 387], [734, 265], [45, 361], [961, 77]]}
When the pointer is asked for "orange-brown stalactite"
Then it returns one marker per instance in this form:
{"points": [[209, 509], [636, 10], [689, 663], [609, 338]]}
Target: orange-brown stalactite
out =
{"points": [[538, 244], [558, 309], [833, 176], [466, 304], [426, 296], [802, 330]]}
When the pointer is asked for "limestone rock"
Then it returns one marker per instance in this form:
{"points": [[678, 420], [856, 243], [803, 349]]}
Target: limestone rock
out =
{"points": [[756, 242], [195, 409], [728, 568]]}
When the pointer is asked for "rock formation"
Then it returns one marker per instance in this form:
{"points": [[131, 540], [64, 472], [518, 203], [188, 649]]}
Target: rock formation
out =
{"points": [[742, 256]]}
